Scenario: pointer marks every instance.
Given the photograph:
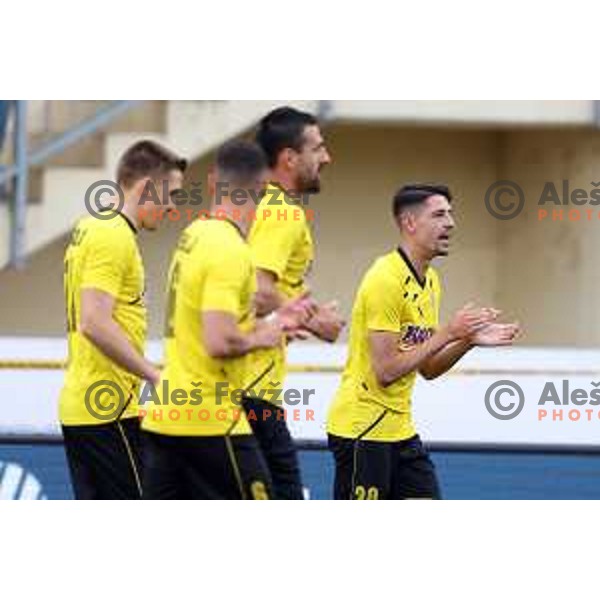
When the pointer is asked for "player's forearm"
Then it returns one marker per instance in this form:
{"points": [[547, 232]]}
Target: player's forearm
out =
{"points": [[405, 362], [326, 331], [443, 360], [109, 338], [325, 322], [262, 336], [267, 301], [235, 343], [232, 344]]}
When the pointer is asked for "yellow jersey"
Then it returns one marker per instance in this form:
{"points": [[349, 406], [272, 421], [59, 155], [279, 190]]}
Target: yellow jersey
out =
{"points": [[102, 255], [199, 395], [281, 242], [390, 298]]}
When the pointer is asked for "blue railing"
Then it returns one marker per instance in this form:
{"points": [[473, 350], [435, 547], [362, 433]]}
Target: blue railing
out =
{"points": [[25, 159]]}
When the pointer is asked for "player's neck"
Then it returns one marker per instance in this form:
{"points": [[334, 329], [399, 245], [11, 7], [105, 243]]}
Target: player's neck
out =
{"points": [[419, 261], [130, 211], [284, 180], [238, 215]]}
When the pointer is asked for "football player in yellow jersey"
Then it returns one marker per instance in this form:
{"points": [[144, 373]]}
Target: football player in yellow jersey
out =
{"points": [[198, 442], [282, 248], [106, 323], [395, 334]]}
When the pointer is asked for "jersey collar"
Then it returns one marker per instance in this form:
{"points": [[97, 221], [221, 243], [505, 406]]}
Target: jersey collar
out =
{"points": [[411, 268], [277, 185], [230, 221], [129, 223]]}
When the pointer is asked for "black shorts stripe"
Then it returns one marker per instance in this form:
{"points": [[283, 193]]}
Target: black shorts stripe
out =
{"points": [[134, 469], [235, 466], [360, 437]]}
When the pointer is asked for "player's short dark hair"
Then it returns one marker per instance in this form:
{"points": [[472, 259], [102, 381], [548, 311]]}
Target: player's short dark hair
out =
{"points": [[240, 162], [283, 128], [147, 159], [416, 193]]}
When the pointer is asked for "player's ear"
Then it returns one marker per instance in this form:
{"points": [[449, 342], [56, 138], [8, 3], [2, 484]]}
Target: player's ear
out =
{"points": [[145, 190], [406, 221], [288, 158]]}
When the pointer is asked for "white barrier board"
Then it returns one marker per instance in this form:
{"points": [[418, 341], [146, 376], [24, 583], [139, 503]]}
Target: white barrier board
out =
{"points": [[450, 409]]}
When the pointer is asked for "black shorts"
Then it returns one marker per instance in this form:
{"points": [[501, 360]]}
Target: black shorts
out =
{"points": [[203, 468], [104, 460], [367, 470], [276, 443]]}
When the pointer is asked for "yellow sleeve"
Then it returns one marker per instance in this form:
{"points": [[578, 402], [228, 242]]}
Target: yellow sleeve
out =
{"points": [[272, 242], [224, 281], [107, 259], [383, 305]]}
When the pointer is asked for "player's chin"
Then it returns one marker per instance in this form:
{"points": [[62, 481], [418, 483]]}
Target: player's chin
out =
{"points": [[443, 249], [313, 186], [150, 225]]}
